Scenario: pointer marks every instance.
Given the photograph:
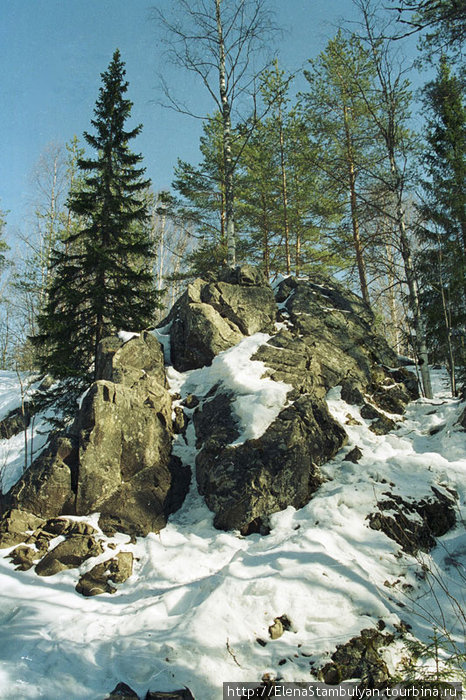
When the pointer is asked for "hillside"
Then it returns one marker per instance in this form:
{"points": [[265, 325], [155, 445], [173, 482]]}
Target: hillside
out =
{"points": [[264, 574]]}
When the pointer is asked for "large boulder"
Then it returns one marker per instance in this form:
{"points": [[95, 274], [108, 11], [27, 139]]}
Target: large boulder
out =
{"points": [[326, 339], [116, 458], [212, 316], [47, 488], [244, 484], [330, 340]]}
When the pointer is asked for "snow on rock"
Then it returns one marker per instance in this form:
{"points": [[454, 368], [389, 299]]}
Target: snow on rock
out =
{"points": [[127, 335], [258, 400], [199, 599]]}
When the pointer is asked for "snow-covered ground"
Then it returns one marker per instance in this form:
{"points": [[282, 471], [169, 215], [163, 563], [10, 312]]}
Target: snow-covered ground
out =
{"points": [[199, 598]]}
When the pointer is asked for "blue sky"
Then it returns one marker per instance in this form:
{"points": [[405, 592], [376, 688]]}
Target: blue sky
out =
{"points": [[52, 53]]}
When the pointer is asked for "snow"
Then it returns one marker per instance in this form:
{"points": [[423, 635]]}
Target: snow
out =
{"points": [[127, 335], [258, 400], [199, 597], [12, 451]]}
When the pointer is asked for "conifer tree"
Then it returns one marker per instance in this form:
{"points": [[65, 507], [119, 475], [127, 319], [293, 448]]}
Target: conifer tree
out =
{"points": [[443, 262], [102, 274]]}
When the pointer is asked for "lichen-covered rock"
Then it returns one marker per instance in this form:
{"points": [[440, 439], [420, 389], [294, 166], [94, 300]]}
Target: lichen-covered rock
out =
{"points": [[329, 342], [47, 488], [382, 426], [116, 458], [127, 362], [213, 316], [24, 557], [15, 422], [16, 525], [244, 484], [360, 658], [69, 555], [414, 525], [99, 579]]}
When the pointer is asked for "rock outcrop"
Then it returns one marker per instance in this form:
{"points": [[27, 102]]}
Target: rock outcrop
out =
{"points": [[414, 525], [116, 459], [245, 484], [212, 316], [328, 341], [325, 338]]}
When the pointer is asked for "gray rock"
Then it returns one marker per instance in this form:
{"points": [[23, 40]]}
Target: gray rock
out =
{"points": [[47, 488], [127, 362], [383, 426], [68, 555], [16, 525], [330, 343], [122, 692], [354, 455], [213, 316], [183, 694], [246, 483], [414, 525], [116, 459], [98, 579], [360, 658], [15, 422]]}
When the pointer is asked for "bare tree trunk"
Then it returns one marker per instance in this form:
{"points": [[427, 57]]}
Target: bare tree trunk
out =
{"points": [[354, 211], [388, 127], [227, 145], [265, 239], [447, 318], [411, 280], [286, 225], [392, 299]]}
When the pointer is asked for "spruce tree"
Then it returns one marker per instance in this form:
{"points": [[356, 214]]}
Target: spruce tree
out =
{"points": [[102, 274], [443, 262]]}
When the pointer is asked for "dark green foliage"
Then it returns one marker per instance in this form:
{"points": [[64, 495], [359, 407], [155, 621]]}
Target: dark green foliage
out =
{"points": [[102, 278], [443, 234], [442, 21]]}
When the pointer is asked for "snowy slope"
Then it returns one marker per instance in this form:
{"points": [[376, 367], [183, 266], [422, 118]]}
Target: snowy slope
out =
{"points": [[199, 598], [12, 451]]}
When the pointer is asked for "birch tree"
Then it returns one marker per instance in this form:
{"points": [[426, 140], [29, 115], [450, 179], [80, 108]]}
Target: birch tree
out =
{"points": [[217, 40]]}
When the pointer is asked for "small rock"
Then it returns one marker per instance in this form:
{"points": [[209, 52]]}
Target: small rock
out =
{"points": [[383, 426], [15, 525], [359, 658], [69, 555], [97, 580], [369, 412], [354, 455], [434, 516], [24, 557], [122, 692], [276, 630], [350, 420], [191, 401], [183, 694], [180, 421]]}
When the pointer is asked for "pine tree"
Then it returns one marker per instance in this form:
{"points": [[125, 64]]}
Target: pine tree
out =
{"points": [[102, 276], [339, 114]]}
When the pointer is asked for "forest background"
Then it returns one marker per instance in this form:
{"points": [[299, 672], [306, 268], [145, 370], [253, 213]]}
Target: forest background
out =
{"points": [[336, 146]]}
